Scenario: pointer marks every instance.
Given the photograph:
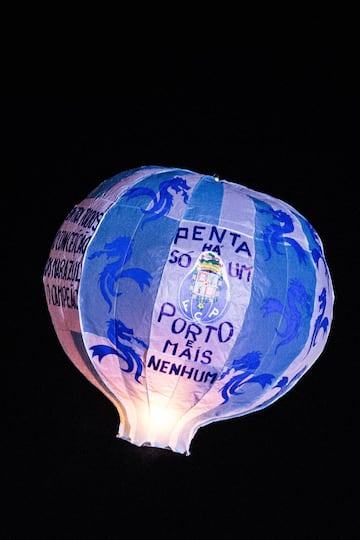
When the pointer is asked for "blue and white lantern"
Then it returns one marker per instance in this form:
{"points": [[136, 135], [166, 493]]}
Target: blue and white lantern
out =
{"points": [[187, 299]]}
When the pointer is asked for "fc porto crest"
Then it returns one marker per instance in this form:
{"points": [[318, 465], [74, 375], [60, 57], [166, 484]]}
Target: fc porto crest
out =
{"points": [[204, 292]]}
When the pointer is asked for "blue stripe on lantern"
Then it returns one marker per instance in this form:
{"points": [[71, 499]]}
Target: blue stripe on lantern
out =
{"points": [[279, 276], [148, 236], [206, 201], [292, 275]]}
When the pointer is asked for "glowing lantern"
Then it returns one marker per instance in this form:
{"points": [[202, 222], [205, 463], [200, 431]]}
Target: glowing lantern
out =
{"points": [[187, 299]]}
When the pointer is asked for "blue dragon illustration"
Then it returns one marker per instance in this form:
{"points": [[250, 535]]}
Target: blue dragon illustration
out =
{"points": [[283, 384], [274, 234], [317, 252], [321, 321], [120, 250], [121, 337], [161, 201], [247, 365], [297, 297]]}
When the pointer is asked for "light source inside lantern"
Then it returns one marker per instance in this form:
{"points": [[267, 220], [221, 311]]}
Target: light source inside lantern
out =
{"points": [[155, 424], [160, 420]]}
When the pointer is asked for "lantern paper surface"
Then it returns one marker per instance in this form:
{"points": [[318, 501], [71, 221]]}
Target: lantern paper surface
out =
{"points": [[187, 299]]}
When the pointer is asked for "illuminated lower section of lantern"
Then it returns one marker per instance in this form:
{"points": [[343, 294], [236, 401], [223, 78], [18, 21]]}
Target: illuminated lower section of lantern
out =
{"points": [[160, 421], [153, 426]]}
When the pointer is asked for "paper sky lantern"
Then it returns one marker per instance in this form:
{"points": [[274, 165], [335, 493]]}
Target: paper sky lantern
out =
{"points": [[187, 299]]}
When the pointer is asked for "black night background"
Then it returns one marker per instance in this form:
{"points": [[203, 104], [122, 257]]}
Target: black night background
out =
{"points": [[280, 121]]}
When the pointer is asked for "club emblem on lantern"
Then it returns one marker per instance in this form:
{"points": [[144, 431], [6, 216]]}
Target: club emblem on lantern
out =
{"points": [[204, 292]]}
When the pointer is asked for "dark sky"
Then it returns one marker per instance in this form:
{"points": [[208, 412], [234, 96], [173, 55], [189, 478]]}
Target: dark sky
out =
{"points": [[278, 122]]}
